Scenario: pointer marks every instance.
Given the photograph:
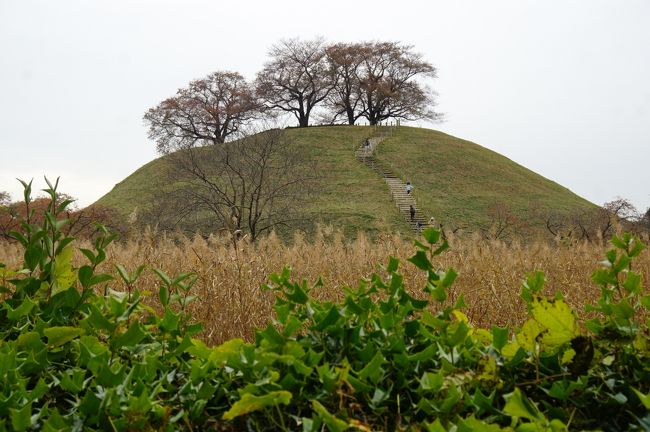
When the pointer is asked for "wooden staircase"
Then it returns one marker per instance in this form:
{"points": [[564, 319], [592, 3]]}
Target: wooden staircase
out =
{"points": [[397, 188]]}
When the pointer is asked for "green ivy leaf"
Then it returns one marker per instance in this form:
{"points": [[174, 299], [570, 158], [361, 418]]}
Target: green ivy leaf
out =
{"points": [[431, 235], [21, 419], [373, 370], [129, 338], [250, 403], [57, 336], [421, 261], [499, 337], [24, 309], [518, 405], [30, 341], [333, 423]]}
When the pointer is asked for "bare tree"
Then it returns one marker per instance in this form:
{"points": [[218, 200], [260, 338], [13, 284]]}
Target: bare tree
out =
{"points": [[389, 87], [346, 61], [208, 111], [593, 223], [503, 222], [622, 208], [249, 186], [296, 79]]}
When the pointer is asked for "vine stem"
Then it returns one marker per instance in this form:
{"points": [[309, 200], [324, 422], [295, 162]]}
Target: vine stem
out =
{"points": [[542, 379]]}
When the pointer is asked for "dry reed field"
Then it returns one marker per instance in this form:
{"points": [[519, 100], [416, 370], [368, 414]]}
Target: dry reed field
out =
{"points": [[231, 303]]}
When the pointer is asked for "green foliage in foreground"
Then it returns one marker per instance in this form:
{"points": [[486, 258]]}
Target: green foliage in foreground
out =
{"points": [[76, 355]]}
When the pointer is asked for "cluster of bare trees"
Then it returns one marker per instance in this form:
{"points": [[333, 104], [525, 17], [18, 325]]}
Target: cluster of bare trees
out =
{"points": [[590, 224], [347, 81], [257, 183], [599, 223]]}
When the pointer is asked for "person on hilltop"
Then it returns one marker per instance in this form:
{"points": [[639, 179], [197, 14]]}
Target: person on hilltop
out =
{"points": [[409, 187], [366, 143], [412, 211]]}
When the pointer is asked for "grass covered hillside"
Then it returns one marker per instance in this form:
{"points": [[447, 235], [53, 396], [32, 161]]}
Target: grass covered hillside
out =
{"points": [[460, 182], [456, 181]]}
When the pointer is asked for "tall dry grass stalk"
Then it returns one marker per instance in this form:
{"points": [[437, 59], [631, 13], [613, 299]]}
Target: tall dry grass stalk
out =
{"points": [[231, 303]]}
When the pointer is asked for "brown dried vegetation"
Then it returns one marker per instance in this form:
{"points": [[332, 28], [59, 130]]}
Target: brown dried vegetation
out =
{"points": [[231, 303]]}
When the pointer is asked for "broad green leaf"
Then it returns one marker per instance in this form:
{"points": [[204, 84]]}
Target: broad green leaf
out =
{"points": [[451, 400], [130, 337], [432, 381], [556, 320], [431, 235], [297, 294], [645, 399], [510, 350], [333, 423], [425, 354], [443, 247], [436, 426], [57, 336], [72, 380], [393, 264], [63, 277], [92, 351], [170, 321], [373, 370], [250, 403], [448, 279], [459, 335], [229, 352], [518, 405], [21, 419], [332, 316], [163, 276], [633, 283], [88, 254], [55, 423], [527, 336], [499, 337], [471, 424], [97, 320], [421, 261], [33, 255], [24, 309], [163, 295], [30, 341]]}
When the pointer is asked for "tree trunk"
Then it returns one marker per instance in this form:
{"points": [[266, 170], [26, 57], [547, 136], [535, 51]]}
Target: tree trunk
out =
{"points": [[303, 120], [350, 113]]}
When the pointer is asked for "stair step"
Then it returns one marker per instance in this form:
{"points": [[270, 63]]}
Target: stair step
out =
{"points": [[396, 186]]}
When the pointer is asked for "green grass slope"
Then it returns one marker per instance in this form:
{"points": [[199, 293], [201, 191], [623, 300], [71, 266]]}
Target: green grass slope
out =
{"points": [[456, 181]]}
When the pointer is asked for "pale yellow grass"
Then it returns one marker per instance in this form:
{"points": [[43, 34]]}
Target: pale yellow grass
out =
{"points": [[231, 303]]}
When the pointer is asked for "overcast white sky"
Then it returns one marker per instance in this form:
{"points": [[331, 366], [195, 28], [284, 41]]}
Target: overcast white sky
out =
{"points": [[561, 87]]}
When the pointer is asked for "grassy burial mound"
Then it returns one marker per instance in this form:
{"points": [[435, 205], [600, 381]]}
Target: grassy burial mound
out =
{"points": [[458, 182]]}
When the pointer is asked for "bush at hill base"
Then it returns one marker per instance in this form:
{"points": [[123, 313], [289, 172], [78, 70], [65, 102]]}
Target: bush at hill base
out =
{"points": [[76, 355]]}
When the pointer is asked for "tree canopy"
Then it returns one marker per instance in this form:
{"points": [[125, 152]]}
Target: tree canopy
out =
{"points": [[207, 111], [296, 78], [343, 82]]}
